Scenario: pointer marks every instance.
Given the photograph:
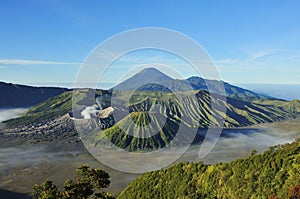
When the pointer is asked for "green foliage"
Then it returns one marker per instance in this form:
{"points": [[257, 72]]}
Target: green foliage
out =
{"points": [[46, 190], [267, 175], [88, 185]]}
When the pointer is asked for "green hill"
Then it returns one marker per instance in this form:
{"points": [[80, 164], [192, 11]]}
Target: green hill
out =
{"points": [[164, 113], [196, 107], [258, 176], [134, 131]]}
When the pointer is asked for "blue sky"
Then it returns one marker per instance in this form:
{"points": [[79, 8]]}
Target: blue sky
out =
{"points": [[44, 42]]}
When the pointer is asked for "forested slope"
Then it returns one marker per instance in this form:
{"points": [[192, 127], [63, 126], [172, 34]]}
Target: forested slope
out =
{"points": [[273, 173]]}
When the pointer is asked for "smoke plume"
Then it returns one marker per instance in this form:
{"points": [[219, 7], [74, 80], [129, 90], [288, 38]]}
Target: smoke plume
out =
{"points": [[89, 111]]}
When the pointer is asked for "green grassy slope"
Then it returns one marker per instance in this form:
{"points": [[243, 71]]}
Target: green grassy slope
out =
{"points": [[133, 132], [258, 176], [197, 109], [164, 113]]}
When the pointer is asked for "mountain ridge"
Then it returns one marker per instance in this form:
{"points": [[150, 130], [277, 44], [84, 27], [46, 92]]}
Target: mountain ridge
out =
{"points": [[191, 112], [17, 95], [151, 79]]}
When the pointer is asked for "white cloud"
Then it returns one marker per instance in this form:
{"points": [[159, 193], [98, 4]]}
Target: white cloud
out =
{"points": [[105, 54], [254, 67], [34, 62], [279, 60], [262, 53]]}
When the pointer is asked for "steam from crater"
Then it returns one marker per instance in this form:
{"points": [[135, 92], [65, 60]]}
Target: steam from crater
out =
{"points": [[89, 111]]}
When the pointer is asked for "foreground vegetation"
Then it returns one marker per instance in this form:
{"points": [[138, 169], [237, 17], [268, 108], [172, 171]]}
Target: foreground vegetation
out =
{"points": [[87, 185], [273, 174]]}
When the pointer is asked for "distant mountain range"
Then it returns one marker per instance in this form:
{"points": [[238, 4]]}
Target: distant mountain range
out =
{"points": [[151, 79], [152, 106], [15, 95]]}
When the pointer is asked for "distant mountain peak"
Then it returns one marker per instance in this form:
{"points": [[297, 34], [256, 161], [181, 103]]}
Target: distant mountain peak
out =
{"points": [[153, 71], [145, 76], [150, 69]]}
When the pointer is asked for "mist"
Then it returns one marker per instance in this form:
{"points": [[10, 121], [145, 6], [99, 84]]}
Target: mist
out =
{"points": [[238, 143], [9, 113]]}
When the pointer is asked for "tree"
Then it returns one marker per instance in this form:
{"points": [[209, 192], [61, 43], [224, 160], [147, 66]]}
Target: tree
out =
{"points": [[46, 190], [87, 185], [253, 152]]}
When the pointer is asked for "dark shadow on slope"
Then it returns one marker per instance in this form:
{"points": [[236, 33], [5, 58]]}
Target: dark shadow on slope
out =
{"points": [[5, 194]]}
